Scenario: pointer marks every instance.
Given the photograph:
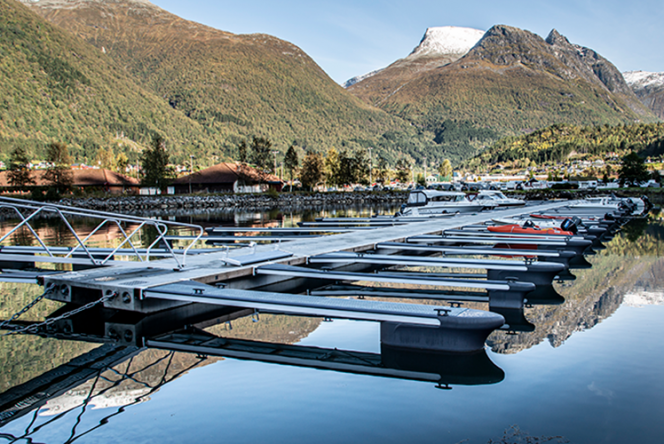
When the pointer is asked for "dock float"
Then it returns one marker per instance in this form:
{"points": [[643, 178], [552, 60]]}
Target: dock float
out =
{"points": [[443, 328]]}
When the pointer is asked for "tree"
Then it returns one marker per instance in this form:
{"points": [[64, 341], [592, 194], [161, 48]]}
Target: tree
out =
{"points": [[381, 170], [346, 170], [633, 169], [242, 152], [421, 180], [312, 170], [360, 167], [105, 159], [59, 173], [121, 163], [445, 169], [331, 166], [291, 162], [19, 174], [154, 164], [402, 170], [260, 153]]}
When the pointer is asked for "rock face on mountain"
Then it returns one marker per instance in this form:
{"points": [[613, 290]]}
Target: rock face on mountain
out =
{"points": [[235, 86], [511, 80], [649, 88]]}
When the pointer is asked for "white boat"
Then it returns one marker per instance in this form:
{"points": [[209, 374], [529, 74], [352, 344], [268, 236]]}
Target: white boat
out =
{"points": [[599, 204], [633, 205], [427, 202], [497, 198]]}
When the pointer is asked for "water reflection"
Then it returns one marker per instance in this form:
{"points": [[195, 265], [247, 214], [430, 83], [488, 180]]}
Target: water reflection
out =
{"points": [[119, 373]]}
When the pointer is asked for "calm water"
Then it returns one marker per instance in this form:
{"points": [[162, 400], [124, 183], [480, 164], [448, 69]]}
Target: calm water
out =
{"points": [[590, 372]]}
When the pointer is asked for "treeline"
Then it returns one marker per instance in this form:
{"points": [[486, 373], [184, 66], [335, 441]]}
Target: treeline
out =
{"points": [[558, 142]]}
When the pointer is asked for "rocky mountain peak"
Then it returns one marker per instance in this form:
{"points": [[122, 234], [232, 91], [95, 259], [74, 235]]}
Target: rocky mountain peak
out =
{"points": [[506, 45], [555, 38]]}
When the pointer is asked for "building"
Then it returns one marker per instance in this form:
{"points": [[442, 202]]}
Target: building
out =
{"points": [[86, 179], [227, 177]]}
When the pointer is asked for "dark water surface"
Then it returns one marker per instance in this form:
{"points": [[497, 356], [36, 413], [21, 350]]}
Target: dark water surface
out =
{"points": [[590, 372]]}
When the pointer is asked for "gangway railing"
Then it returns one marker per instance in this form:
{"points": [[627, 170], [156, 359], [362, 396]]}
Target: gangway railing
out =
{"points": [[129, 226]]}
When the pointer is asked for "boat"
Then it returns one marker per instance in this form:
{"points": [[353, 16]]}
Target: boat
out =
{"points": [[572, 224], [428, 202], [528, 229], [498, 198]]}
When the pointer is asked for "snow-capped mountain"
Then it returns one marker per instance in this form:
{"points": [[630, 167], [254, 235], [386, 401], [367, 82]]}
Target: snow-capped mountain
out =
{"points": [[439, 46], [649, 88], [643, 79], [356, 79], [445, 40]]}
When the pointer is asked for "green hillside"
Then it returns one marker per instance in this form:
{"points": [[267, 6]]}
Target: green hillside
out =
{"points": [[56, 87], [233, 86], [556, 143]]}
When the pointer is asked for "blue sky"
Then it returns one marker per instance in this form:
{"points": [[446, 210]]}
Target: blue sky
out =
{"points": [[348, 38]]}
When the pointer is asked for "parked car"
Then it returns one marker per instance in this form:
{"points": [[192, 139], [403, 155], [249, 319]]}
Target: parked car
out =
{"points": [[650, 184]]}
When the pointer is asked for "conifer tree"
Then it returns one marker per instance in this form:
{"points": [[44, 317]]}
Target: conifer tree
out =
{"points": [[633, 169], [242, 152], [19, 174], [154, 165], [291, 163]]}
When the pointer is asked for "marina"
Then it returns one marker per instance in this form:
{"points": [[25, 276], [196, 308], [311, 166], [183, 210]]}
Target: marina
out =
{"points": [[169, 302]]}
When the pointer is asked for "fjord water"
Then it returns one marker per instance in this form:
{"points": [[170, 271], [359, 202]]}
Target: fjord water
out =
{"points": [[590, 372]]}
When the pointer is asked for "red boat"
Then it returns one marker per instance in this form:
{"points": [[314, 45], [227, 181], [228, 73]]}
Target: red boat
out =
{"points": [[518, 229]]}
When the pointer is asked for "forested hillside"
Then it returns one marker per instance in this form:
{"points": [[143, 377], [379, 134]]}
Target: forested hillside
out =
{"points": [[232, 86], [556, 143], [56, 87]]}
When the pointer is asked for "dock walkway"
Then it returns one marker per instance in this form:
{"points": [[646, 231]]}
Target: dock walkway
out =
{"points": [[219, 266]]}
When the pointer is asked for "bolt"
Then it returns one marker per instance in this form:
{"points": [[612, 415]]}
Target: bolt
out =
{"points": [[128, 335]]}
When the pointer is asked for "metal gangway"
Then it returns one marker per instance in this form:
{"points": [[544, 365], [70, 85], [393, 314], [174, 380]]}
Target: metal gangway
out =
{"points": [[84, 253]]}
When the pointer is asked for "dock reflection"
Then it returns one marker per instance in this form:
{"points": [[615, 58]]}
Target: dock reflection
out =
{"points": [[140, 354]]}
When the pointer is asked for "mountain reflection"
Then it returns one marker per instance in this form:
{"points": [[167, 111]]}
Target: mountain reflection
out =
{"points": [[627, 264]]}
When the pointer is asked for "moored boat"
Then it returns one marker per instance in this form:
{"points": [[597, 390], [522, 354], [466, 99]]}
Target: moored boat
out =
{"points": [[427, 202]]}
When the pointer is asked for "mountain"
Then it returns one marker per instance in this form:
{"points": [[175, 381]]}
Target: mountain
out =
{"points": [[56, 87], [233, 86], [511, 81], [649, 88], [440, 46]]}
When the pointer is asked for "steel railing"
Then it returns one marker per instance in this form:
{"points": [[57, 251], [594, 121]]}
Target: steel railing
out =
{"points": [[28, 211]]}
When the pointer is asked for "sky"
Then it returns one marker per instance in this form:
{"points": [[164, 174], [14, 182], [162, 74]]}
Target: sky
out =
{"points": [[349, 38]]}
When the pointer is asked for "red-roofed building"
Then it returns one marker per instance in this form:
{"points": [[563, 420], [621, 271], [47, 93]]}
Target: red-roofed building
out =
{"points": [[227, 177], [102, 179]]}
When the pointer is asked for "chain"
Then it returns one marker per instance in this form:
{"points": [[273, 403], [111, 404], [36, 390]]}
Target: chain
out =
{"points": [[34, 327], [16, 315]]}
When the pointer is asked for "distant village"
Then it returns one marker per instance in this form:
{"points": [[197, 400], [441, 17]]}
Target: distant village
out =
{"points": [[239, 177]]}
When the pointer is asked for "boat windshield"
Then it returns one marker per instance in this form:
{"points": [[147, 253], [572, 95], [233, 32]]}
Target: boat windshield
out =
{"points": [[417, 198], [446, 198]]}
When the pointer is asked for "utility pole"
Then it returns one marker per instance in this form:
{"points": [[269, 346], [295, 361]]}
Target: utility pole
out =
{"points": [[370, 166], [425, 169], [191, 168]]}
